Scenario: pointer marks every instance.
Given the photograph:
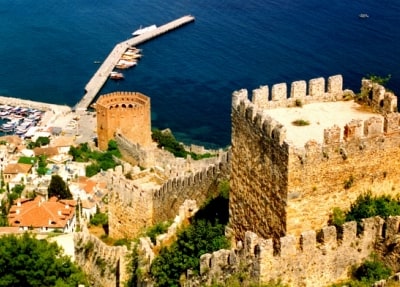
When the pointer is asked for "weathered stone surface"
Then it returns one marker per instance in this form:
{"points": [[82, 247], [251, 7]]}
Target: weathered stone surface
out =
{"points": [[127, 113], [105, 265]]}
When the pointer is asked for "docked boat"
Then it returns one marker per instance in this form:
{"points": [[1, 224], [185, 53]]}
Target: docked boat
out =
{"points": [[116, 76], [141, 30], [124, 64]]}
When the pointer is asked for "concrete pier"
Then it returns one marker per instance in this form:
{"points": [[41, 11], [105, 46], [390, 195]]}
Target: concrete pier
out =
{"points": [[102, 74]]}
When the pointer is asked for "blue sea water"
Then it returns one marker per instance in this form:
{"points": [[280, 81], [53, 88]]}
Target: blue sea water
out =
{"points": [[48, 49]]}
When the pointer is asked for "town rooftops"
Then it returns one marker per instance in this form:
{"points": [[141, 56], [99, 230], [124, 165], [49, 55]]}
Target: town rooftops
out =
{"points": [[38, 213], [15, 168]]}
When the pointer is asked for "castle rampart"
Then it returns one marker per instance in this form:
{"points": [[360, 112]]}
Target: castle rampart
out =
{"points": [[311, 259], [135, 205], [288, 178], [124, 112], [106, 265]]}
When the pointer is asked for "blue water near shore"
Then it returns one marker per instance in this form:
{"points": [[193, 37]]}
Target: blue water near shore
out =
{"points": [[48, 51]]}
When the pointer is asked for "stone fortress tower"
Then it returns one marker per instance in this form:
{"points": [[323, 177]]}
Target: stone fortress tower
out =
{"points": [[286, 179], [126, 113]]}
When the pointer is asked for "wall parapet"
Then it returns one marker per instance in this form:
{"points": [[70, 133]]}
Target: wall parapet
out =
{"points": [[316, 91], [313, 259], [107, 265], [275, 131]]}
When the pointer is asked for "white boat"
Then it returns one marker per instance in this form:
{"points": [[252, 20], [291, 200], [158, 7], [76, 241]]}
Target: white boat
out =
{"points": [[141, 30], [363, 15], [116, 76]]}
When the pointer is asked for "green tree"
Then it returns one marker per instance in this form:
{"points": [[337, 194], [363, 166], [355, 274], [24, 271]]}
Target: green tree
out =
{"points": [[197, 239], [26, 261], [58, 188]]}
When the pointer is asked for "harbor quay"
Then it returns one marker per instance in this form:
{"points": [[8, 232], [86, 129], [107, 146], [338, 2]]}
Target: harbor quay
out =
{"points": [[82, 126], [16, 102], [98, 80]]}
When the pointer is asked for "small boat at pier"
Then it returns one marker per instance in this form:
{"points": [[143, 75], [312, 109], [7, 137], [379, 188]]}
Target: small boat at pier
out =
{"points": [[141, 30], [116, 76]]}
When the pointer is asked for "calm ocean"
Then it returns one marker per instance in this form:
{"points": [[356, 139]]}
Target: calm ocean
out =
{"points": [[48, 49]]}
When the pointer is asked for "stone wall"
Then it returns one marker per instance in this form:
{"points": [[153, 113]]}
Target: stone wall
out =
{"points": [[105, 265], [125, 112], [259, 173], [312, 259], [358, 157], [139, 203], [278, 188], [130, 207], [198, 185], [133, 152]]}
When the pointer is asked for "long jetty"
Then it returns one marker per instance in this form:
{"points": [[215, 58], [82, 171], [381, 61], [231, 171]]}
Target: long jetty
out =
{"points": [[93, 87]]}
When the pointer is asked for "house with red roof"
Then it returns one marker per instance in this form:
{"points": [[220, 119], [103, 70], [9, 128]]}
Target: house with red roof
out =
{"points": [[43, 216]]}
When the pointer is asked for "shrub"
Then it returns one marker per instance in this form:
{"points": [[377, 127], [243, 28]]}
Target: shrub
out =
{"points": [[298, 103], [372, 270], [99, 219], [348, 182], [300, 122], [156, 230]]}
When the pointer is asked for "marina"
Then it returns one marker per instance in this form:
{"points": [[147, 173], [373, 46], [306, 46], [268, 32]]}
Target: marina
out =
{"points": [[18, 120], [114, 59]]}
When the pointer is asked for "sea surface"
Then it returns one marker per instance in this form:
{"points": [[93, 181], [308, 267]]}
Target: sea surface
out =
{"points": [[48, 50]]}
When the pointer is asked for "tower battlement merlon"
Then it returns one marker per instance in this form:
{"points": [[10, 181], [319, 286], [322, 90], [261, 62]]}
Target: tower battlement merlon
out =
{"points": [[259, 118], [378, 97], [317, 90]]}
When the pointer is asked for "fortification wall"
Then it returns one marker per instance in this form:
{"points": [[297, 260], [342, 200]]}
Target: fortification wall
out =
{"points": [[312, 259], [278, 188], [198, 185], [259, 174], [125, 112], [105, 265], [133, 152], [361, 156], [130, 207], [141, 202]]}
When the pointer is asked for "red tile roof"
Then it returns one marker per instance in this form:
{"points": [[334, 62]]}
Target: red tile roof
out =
{"points": [[15, 168], [37, 213]]}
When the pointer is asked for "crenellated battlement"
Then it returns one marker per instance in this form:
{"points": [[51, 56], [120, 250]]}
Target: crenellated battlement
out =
{"points": [[151, 196], [193, 179], [311, 259], [259, 118], [295, 158], [316, 91], [105, 264]]}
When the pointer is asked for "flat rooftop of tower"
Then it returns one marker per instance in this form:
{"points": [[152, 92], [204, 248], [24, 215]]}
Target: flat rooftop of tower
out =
{"points": [[320, 116]]}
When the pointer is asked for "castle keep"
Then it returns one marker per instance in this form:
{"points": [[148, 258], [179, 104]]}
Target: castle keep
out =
{"points": [[126, 113], [286, 178]]}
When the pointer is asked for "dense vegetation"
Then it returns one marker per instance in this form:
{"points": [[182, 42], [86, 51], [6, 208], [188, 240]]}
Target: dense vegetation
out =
{"points": [[205, 234], [40, 141], [167, 141], [26, 261], [40, 160], [367, 205], [100, 219], [99, 160], [58, 188]]}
